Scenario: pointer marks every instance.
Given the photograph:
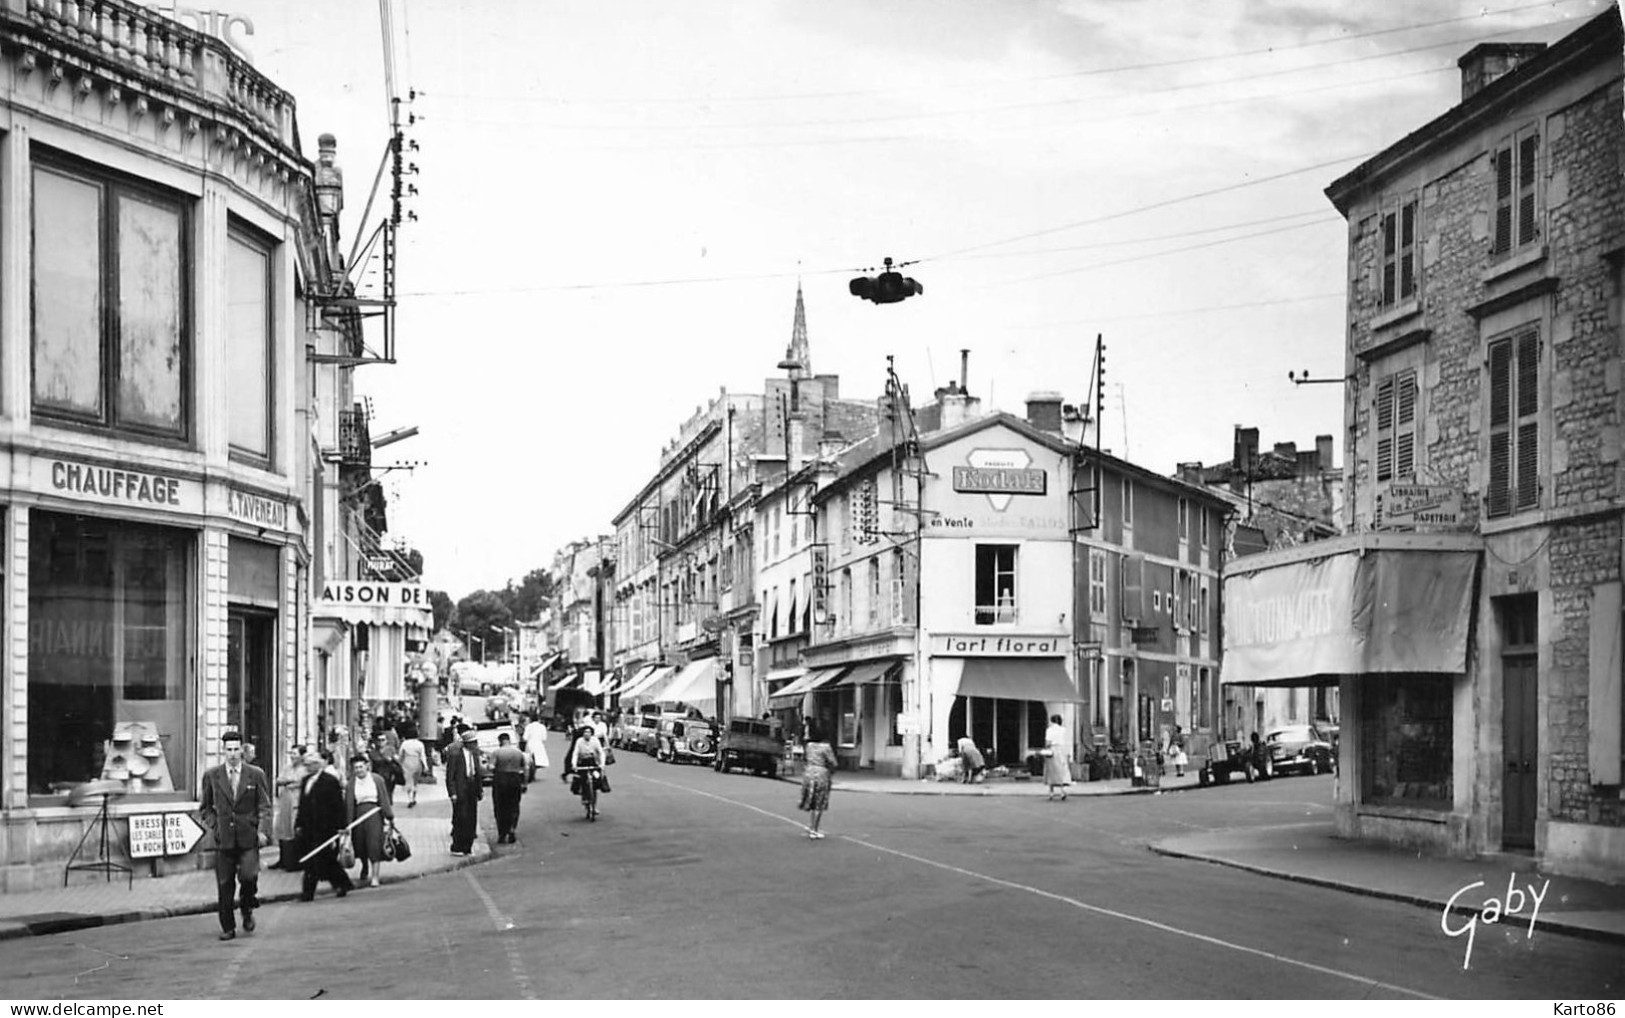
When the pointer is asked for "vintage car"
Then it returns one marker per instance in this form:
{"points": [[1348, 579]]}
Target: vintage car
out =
{"points": [[1299, 748], [751, 744], [685, 740]]}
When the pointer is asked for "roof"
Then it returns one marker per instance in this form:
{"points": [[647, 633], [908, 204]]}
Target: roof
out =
{"points": [[1596, 40]]}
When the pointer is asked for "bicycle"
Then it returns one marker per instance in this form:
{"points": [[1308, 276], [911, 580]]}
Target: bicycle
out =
{"points": [[587, 779]]}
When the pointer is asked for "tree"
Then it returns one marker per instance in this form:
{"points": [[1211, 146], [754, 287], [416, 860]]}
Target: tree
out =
{"points": [[484, 614], [444, 609], [534, 593]]}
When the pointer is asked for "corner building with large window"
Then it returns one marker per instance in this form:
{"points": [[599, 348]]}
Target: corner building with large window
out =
{"points": [[1472, 613], [158, 233]]}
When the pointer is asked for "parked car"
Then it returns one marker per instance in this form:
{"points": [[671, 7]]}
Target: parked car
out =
{"points": [[638, 732], [1232, 758], [1299, 748], [751, 744], [685, 740]]}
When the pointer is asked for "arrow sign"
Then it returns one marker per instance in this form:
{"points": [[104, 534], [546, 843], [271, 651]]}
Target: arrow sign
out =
{"points": [[181, 833]]}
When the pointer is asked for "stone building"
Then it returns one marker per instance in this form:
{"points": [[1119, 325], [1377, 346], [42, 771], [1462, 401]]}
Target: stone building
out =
{"points": [[161, 252], [1472, 614]]}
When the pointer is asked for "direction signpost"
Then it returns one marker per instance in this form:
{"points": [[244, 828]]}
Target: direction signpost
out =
{"points": [[160, 834]]}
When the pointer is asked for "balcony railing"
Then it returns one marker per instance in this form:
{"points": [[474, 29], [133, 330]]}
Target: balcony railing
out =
{"points": [[995, 614]]}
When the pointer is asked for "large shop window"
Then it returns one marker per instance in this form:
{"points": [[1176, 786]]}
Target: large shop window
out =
{"points": [[111, 341], [249, 359], [1405, 740], [109, 655]]}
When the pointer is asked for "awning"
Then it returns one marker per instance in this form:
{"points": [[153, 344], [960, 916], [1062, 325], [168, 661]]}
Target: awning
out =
{"points": [[385, 677], [1364, 609], [654, 684], [812, 680], [565, 682], [374, 614], [541, 666], [631, 685], [869, 671], [1017, 678], [696, 682]]}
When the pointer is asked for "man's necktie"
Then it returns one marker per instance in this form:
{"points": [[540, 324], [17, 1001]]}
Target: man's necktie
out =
{"points": [[233, 773]]}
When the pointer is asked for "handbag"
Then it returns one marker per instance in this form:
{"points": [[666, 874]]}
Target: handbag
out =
{"points": [[346, 851], [387, 849], [396, 843]]}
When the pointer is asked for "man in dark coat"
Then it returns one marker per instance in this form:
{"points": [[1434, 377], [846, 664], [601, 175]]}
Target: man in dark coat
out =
{"points": [[237, 811], [320, 816], [508, 767], [465, 774]]}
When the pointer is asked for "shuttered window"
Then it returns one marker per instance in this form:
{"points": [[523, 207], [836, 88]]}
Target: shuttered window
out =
{"points": [[1131, 576], [1516, 164], [1396, 425], [1514, 367], [1399, 253]]}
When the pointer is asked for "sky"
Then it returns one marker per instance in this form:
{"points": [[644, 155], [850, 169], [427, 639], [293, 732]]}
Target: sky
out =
{"points": [[616, 203]]}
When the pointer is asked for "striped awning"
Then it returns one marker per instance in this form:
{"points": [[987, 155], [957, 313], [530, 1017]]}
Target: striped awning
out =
{"points": [[869, 671], [815, 679]]}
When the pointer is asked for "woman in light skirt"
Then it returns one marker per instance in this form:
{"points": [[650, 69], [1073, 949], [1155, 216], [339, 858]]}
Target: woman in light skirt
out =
{"points": [[1057, 758]]}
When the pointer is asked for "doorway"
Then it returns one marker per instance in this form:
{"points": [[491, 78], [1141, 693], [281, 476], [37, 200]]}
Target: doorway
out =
{"points": [[251, 681], [1520, 732]]}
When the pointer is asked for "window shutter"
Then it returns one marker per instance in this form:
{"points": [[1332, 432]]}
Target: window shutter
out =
{"points": [[1133, 568], [1407, 244], [1528, 472], [1499, 495], [1502, 242], [1405, 424], [1528, 150], [1528, 366], [1385, 429], [1389, 243]]}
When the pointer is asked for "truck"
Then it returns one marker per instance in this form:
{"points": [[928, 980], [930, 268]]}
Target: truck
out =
{"points": [[753, 744]]}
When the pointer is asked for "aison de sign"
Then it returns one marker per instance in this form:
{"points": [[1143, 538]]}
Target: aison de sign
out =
{"points": [[388, 595]]}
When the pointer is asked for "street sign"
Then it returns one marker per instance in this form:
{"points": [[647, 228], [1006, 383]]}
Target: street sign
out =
{"points": [[380, 563], [146, 835], [156, 834], [908, 724], [181, 833]]}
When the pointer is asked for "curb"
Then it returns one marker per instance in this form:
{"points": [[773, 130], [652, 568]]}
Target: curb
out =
{"points": [[1557, 925], [68, 922]]}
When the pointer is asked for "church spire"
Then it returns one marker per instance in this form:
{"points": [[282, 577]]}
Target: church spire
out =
{"points": [[798, 358]]}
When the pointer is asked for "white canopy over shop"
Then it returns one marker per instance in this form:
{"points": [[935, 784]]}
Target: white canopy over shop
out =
{"points": [[814, 679], [695, 685], [392, 614], [649, 684], [1349, 606]]}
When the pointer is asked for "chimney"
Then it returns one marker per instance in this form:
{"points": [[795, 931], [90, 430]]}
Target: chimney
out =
{"points": [[1308, 464], [830, 445], [1190, 473], [1074, 423], [964, 371], [1044, 411], [1323, 451], [1287, 450], [951, 402], [1244, 458], [1488, 61]]}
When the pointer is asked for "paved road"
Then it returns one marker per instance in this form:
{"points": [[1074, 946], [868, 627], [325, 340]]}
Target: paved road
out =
{"points": [[699, 885]]}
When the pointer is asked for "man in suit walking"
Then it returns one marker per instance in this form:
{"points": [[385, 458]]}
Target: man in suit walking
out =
{"points": [[321, 816], [237, 811], [464, 785]]}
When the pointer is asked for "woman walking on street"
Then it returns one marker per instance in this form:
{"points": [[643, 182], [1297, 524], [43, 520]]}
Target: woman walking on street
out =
{"points": [[288, 782], [413, 758], [818, 769], [1057, 758], [365, 791]]}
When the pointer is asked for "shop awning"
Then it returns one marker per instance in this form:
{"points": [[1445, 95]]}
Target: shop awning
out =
{"points": [[655, 684], [696, 682], [814, 679], [385, 677], [1017, 678], [541, 666], [374, 614], [631, 685], [869, 671], [1364, 607], [565, 682]]}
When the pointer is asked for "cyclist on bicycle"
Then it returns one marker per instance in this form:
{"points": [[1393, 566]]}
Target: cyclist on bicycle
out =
{"points": [[586, 751]]}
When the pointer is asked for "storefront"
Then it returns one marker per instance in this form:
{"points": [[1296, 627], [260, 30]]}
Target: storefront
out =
{"points": [[1000, 690], [160, 610], [367, 631], [1390, 619]]}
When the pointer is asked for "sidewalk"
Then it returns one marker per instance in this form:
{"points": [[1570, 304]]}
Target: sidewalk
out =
{"points": [[1021, 785], [90, 900]]}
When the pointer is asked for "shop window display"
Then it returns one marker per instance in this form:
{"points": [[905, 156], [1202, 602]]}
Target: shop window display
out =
{"points": [[1405, 741], [109, 638]]}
